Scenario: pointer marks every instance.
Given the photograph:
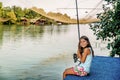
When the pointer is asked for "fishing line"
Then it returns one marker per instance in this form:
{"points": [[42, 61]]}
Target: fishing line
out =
{"points": [[95, 8]]}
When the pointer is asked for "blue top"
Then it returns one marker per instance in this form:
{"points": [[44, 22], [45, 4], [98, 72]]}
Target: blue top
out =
{"points": [[86, 65]]}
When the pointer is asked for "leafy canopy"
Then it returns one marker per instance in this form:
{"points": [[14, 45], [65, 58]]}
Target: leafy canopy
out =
{"points": [[108, 29]]}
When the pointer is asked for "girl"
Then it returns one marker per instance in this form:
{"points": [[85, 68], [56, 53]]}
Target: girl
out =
{"points": [[85, 54]]}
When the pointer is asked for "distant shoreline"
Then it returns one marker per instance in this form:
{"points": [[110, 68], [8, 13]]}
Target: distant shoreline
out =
{"points": [[36, 16]]}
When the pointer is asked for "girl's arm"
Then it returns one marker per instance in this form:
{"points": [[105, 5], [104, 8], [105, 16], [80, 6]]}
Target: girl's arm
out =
{"points": [[83, 56]]}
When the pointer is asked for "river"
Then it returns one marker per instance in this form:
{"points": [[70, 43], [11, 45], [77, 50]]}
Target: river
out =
{"points": [[41, 52]]}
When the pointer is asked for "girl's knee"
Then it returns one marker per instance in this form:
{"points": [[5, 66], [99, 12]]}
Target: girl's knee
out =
{"points": [[67, 71], [64, 71]]}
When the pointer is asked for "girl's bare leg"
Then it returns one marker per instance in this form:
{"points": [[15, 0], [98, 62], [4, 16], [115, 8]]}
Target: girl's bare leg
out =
{"points": [[68, 71]]}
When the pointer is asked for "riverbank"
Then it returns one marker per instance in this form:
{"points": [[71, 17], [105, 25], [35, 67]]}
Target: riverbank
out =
{"points": [[17, 15]]}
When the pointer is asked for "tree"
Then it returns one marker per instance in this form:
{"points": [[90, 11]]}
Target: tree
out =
{"points": [[12, 16], [31, 14], [18, 12], [108, 29], [0, 5], [5, 10], [0, 9]]}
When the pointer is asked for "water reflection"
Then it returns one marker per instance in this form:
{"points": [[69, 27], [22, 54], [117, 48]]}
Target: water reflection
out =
{"points": [[15, 32], [1, 35]]}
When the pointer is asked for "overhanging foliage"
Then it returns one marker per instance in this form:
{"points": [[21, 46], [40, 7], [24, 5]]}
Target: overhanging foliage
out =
{"points": [[109, 26]]}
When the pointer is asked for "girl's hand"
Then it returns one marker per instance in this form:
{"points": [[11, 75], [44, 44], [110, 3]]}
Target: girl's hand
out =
{"points": [[78, 54], [83, 56]]}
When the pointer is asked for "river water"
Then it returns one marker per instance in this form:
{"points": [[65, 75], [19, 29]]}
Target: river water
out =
{"points": [[41, 52]]}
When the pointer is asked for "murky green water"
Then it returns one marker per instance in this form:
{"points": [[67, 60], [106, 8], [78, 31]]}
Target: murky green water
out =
{"points": [[41, 52]]}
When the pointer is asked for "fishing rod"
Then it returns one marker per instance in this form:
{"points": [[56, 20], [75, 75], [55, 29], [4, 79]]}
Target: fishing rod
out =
{"points": [[75, 55], [77, 19]]}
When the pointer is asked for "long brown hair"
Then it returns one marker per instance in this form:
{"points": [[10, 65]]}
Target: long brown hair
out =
{"points": [[81, 49]]}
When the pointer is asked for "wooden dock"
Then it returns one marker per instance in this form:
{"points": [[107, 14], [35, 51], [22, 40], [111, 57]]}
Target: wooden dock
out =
{"points": [[103, 68]]}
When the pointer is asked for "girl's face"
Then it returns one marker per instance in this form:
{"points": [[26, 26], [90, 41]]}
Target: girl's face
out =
{"points": [[83, 43]]}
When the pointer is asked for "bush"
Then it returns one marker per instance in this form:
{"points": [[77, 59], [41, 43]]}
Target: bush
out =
{"points": [[109, 26]]}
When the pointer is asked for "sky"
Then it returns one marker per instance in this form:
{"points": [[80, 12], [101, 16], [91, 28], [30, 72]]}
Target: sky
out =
{"points": [[57, 5]]}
